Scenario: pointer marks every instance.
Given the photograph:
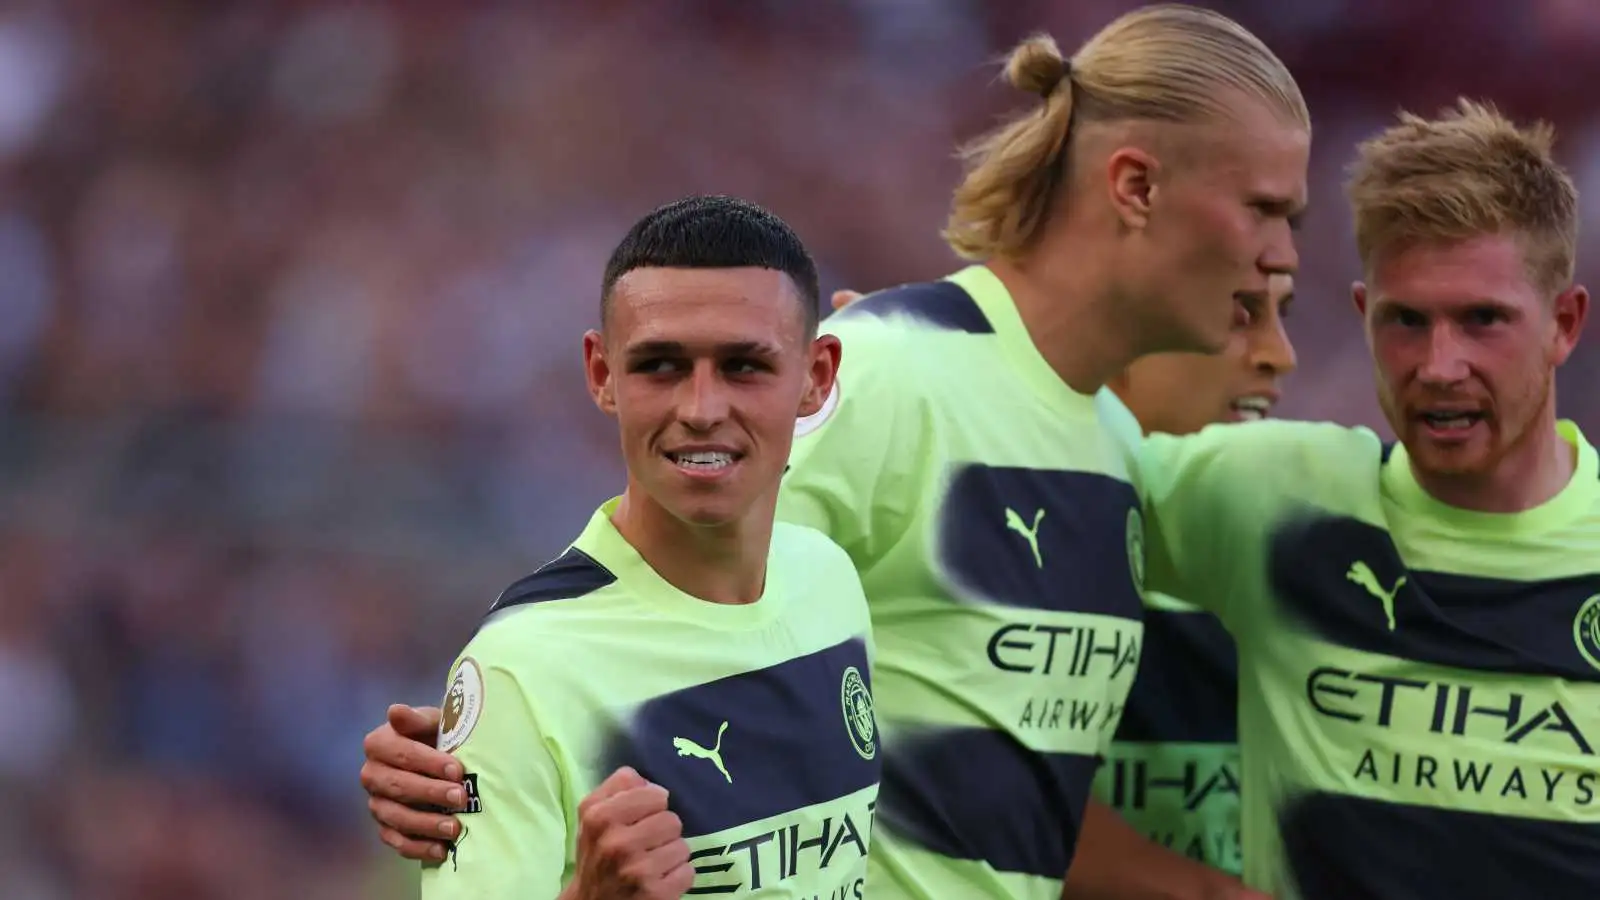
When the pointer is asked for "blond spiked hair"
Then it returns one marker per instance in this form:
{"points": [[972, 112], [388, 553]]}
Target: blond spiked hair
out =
{"points": [[1468, 173], [1164, 63]]}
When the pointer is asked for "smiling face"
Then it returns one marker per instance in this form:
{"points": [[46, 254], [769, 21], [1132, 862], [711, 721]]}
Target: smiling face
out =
{"points": [[1465, 345], [1181, 393], [706, 371]]}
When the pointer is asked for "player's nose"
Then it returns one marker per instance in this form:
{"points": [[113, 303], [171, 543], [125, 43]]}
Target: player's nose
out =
{"points": [[1445, 360], [1271, 350], [703, 397]]}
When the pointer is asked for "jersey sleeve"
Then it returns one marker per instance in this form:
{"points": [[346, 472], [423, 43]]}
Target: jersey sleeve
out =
{"points": [[854, 470], [516, 844], [1208, 499]]}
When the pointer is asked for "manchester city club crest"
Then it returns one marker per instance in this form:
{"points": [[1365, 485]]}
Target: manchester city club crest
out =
{"points": [[858, 718], [1135, 538], [1586, 630]]}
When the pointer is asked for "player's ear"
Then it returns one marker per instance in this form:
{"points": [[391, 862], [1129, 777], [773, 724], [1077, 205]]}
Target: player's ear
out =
{"points": [[597, 371], [826, 353], [1131, 180], [1362, 300], [1571, 309]]}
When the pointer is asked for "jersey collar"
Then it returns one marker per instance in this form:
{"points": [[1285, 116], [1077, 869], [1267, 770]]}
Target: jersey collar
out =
{"points": [[995, 301], [1581, 494], [603, 543]]}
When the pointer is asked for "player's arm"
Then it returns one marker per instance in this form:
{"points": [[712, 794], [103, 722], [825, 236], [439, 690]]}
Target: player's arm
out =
{"points": [[1206, 497], [514, 839], [854, 472], [1115, 862]]}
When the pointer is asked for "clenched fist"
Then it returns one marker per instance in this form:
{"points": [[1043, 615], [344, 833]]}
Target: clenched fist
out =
{"points": [[629, 844]]}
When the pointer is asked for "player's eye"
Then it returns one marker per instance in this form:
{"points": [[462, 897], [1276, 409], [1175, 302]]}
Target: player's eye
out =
{"points": [[1278, 209], [744, 366], [1482, 316], [1407, 318], [657, 365]]}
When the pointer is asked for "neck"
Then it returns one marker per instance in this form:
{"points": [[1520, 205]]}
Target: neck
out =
{"points": [[1070, 314], [1533, 472], [716, 563]]}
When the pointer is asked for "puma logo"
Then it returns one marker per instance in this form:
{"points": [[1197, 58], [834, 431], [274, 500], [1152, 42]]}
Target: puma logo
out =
{"points": [[1031, 535], [1361, 574], [687, 747]]}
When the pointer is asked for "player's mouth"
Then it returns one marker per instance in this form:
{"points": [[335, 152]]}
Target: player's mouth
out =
{"points": [[1449, 425], [1251, 408], [704, 462]]}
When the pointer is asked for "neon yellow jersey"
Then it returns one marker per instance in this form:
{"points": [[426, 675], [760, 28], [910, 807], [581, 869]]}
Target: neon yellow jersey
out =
{"points": [[1420, 685], [989, 510], [757, 719], [1173, 771]]}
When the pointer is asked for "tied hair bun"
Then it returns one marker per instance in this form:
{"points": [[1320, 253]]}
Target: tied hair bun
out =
{"points": [[1037, 66]]}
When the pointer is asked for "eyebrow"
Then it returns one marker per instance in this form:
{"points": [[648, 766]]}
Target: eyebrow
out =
{"points": [[1291, 209], [678, 348], [1467, 305]]}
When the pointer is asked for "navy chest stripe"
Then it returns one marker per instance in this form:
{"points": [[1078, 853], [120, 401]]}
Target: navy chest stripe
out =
{"points": [[1187, 688], [1342, 578], [940, 304], [786, 744], [974, 793], [1343, 847], [1042, 539]]}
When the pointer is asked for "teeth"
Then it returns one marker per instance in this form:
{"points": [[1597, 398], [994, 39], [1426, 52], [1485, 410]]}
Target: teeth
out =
{"points": [[1252, 409], [1450, 421], [703, 459]]}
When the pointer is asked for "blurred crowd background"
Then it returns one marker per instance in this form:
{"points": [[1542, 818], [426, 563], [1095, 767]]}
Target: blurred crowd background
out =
{"points": [[290, 303]]}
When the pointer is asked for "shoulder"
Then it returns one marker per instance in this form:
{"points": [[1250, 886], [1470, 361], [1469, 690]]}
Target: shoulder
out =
{"points": [[571, 575], [823, 574], [1117, 419], [572, 595], [1278, 444], [935, 306], [806, 549], [1123, 428], [893, 336], [887, 370]]}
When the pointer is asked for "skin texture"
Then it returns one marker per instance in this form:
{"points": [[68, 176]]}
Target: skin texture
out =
{"points": [[1153, 235], [1215, 221], [714, 359], [1462, 328], [706, 360], [1181, 393], [629, 844]]}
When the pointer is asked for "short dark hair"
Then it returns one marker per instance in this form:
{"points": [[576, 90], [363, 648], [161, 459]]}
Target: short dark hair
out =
{"points": [[714, 232]]}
